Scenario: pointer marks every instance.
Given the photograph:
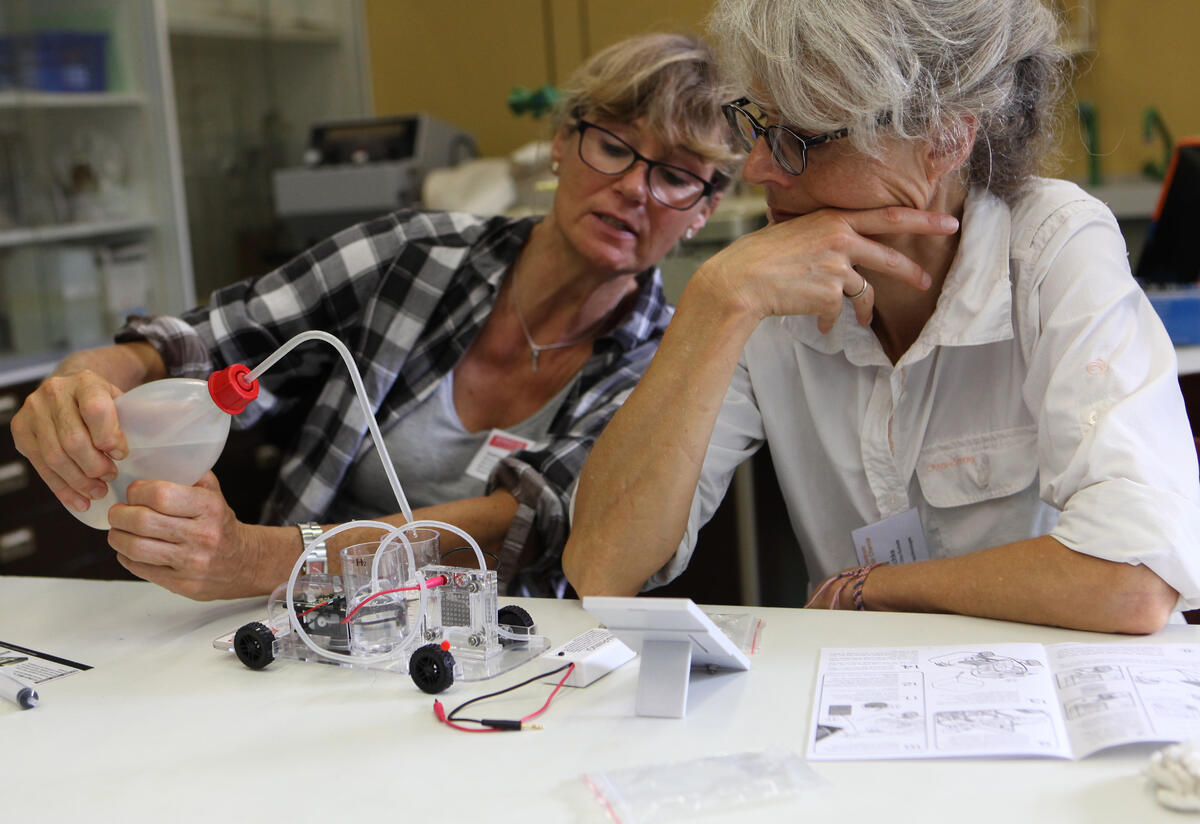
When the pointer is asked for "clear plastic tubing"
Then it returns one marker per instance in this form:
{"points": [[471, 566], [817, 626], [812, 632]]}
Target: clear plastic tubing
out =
{"points": [[359, 389], [401, 647], [393, 532]]}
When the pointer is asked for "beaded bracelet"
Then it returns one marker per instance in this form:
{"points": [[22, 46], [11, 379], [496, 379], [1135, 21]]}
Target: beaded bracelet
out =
{"points": [[854, 578]]}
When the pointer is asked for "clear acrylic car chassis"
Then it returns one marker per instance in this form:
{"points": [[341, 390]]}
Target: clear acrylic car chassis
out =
{"points": [[460, 637], [451, 631]]}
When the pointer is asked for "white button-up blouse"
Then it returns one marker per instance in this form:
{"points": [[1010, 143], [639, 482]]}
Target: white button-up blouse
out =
{"points": [[1041, 398]]}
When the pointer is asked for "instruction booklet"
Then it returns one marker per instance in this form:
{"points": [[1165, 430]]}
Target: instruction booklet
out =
{"points": [[1061, 700]]}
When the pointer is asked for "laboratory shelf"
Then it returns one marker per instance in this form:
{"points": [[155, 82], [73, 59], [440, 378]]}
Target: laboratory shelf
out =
{"points": [[69, 100], [235, 28], [109, 158], [73, 231]]}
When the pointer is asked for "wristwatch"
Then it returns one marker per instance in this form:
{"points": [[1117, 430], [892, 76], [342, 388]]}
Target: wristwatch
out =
{"points": [[316, 557]]}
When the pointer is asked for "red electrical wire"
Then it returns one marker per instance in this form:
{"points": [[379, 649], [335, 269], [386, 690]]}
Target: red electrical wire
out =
{"points": [[557, 687], [440, 712], [500, 725], [312, 609], [435, 581]]}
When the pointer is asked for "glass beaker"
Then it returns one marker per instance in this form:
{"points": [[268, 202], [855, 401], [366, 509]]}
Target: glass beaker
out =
{"points": [[426, 546], [377, 618], [427, 551], [381, 593]]}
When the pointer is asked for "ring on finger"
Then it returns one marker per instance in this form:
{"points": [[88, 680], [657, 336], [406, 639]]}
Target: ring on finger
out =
{"points": [[860, 292]]}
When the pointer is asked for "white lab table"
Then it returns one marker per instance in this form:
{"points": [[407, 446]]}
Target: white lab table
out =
{"points": [[165, 728]]}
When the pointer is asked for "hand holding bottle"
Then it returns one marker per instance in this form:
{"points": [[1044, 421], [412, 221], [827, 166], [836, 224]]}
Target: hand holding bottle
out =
{"points": [[69, 431], [93, 440], [187, 539]]}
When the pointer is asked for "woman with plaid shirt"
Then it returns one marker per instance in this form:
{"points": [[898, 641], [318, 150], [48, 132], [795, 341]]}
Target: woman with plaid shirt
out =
{"points": [[473, 324]]}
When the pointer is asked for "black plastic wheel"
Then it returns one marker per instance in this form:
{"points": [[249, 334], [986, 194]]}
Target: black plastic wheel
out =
{"points": [[431, 668], [254, 645], [513, 616]]}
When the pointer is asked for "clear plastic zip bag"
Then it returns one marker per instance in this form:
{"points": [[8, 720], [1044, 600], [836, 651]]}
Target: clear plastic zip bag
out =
{"points": [[743, 628], [677, 791]]}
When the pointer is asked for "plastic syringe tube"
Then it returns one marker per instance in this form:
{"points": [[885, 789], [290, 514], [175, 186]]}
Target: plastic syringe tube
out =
{"points": [[359, 389]]}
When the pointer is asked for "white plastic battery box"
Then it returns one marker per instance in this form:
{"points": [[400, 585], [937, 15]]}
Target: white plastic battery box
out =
{"points": [[595, 654]]}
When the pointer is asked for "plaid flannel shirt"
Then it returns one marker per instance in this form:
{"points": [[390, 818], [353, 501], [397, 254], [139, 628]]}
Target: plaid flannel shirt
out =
{"points": [[406, 293]]}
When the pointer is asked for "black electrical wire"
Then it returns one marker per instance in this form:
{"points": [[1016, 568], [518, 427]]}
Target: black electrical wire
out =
{"points": [[489, 555], [452, 715]]}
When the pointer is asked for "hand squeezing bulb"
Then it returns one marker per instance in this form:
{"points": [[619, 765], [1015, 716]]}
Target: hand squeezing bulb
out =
{"points": [[176, 429]]}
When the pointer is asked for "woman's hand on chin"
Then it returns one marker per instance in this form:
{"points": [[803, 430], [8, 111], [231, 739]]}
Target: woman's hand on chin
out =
{"points": [[806, 265]]}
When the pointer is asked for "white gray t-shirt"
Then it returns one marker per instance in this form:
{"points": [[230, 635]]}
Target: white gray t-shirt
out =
{"points": [[431, 450]]}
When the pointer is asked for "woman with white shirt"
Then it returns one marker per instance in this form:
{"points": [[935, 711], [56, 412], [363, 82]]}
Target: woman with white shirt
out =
{"points": [[947, 356]]}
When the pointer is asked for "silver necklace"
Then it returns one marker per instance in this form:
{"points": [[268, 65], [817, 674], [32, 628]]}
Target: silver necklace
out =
{"points": [[536, 349]]}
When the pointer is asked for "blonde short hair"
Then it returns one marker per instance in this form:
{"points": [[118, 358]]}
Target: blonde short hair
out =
{"points": [[671, 81], [909, 69]]}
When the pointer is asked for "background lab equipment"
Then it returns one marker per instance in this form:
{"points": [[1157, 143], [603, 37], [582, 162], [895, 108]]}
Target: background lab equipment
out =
{"points": [[1169, 267], [361, 169]]}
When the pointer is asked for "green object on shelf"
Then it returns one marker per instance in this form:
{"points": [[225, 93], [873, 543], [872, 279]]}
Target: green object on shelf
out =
{"points": [[536, 102], [1154, 126], [1089, 122]]}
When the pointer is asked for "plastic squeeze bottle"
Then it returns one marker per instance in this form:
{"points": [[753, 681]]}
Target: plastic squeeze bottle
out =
{"points": [[176, 429]]}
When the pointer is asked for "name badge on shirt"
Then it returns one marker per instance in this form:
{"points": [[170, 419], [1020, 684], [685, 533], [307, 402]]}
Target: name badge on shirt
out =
{"points": [[895, 540], [496, 446]]}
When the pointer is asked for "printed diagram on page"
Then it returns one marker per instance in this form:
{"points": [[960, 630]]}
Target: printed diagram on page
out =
{"points": [[1132, 693], [1170, 693], [1100, 702], [962, 729], [977, 670], [872, 719], [934, 702], [1063, 700], [1087, 676], [870, 706], [1103, 689]]}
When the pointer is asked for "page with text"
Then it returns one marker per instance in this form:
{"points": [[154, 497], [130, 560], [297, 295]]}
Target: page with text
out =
{"points": [[936, 702], [1123, 693]]}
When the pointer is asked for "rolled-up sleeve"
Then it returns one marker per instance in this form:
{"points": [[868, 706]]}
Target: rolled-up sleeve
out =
{"points": [[184, 352], [1115, 446]]}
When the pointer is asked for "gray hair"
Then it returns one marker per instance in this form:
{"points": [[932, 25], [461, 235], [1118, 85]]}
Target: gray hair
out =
{"points": [[671, 80], [908, 69]]}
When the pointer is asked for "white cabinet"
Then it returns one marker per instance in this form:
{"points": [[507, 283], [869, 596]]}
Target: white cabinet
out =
{"points": [[91, 188], [251, 78]]}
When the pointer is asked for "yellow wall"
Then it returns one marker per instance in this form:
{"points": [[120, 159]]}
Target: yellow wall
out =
{"points": [[1146, 55], [458, 59]]}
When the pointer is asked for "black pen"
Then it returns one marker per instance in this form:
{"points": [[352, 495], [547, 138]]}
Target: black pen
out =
{"points": [[21, 694]]}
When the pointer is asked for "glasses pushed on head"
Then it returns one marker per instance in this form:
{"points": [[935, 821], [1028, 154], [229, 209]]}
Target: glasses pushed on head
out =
{"points": [[789, 149], [670, 185]]}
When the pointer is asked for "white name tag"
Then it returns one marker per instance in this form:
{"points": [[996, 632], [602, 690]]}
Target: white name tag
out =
{"points": [[496, 446], [895, 540]]}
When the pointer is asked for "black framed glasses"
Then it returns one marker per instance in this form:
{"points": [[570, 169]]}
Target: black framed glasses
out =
{"points": [[672, 186], [789, 149]]}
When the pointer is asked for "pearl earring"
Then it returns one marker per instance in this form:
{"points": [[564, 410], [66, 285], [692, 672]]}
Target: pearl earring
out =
{"points": [[554, 167], [690, 233]]}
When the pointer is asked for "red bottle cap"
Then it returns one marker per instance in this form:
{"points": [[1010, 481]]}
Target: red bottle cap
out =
{"points": [[230, 390]]}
